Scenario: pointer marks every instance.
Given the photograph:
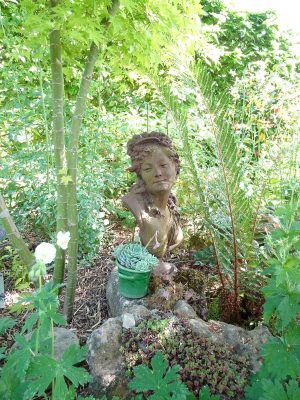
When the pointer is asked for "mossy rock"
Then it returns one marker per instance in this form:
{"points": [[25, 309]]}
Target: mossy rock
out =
{"points": [[191, 278]]}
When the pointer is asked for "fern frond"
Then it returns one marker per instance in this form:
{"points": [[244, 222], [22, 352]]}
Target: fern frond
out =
{"points": [[232, 236]]}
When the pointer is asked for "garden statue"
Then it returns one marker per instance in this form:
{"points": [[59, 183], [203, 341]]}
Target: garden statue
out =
{"points": [[150, 200]]}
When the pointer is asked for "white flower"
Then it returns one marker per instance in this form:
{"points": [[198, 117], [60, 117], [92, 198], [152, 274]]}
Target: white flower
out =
{"points": [[45, 252], [249, 192], [242, 185], [101, 214], [63, 239], [106, 222], [94, 226]]}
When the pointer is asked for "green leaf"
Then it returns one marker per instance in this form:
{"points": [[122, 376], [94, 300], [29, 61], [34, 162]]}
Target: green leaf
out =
{"points": [[30, 322], [205, 394], [280, 360], [6, 323], [164, 382]]}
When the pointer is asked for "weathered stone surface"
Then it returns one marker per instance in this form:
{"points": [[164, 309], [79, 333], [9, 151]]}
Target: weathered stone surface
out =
{"points": [[63, 338], [119, 304], [183, 310], [105, 360], [128, 321], [139, 312], [243, 342], [199, 327]]}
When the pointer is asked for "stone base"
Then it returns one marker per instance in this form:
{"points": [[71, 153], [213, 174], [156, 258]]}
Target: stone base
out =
{"points": [[106, 362]]}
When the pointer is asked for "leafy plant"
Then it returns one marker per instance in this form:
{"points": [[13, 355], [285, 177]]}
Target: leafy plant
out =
{"points": [[280, 371], [201, 361], [135, 256], [30, 367], [163, 381]]}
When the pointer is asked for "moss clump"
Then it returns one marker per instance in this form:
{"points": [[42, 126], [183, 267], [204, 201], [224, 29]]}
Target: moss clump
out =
{"points": [[202, 362], [192, 278]]}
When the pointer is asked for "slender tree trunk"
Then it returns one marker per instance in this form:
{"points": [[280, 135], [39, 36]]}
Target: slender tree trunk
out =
{"points": [[59, 147], [72, 170], [14, 236]]}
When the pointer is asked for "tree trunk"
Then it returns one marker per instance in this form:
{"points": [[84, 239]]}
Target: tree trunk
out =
{"points": [[72, 172], [14, 236], [59, 147], [72, 169]]}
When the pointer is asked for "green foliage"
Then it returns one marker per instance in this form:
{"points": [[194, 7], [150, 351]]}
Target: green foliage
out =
{"points": [[201, 361], [163, 381], [12, 266], [30, 367], [6, 323], [277, 377], [135, 256]]}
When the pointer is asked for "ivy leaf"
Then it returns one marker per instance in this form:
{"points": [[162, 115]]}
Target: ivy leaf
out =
{"points": [[164, 382]]}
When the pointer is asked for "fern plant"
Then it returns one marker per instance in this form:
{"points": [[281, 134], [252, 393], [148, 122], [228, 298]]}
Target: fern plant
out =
{"points": [[227, 210]]}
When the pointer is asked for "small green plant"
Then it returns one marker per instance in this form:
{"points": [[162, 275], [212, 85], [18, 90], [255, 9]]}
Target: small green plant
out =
{"points": [[16, 270], [202, 363], [278, 376], [163, 381], [31, 368], [135, 256]]}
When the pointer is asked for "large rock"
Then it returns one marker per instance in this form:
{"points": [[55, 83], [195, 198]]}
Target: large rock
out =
{"points": [[243, 342], [183, 310], [63, 338], [200, 328], [119, 304], [105, 360]]}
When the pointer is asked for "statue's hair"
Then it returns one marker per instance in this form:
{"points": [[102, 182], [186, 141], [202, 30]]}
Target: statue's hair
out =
{"points": [[141, 145], [138, 148]]}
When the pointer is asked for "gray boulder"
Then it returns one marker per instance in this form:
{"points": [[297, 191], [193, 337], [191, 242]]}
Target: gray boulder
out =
{"points": [[63, 338], [200, 328], [105, 360], [243, 342], [119, 304], [183, 310]]}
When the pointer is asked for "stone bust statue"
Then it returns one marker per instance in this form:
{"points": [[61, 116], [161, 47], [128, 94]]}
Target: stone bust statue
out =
{"points": [[150, 200]]}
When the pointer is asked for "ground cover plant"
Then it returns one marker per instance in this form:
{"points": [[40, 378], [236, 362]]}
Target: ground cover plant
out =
{"points": [[201, 361], [78, 79]]}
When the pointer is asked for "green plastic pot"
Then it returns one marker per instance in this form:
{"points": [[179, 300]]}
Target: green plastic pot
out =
{"points": [[133, 284]]}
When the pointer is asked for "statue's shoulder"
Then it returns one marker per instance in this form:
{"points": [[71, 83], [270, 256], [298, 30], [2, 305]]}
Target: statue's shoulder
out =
{"points": [[134, 202]]}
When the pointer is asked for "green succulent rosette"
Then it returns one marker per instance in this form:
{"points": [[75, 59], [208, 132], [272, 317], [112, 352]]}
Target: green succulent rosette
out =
{"points": [[134, 256]]}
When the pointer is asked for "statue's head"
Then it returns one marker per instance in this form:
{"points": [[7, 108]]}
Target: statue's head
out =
{"points": [[154, 160]]}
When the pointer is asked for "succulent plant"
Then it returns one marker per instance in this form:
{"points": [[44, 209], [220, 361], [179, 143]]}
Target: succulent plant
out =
{"points": [[202, 362], [134, 256]]}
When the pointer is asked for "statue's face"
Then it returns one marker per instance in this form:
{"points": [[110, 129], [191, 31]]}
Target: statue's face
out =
{"points": [[158, 172]]}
